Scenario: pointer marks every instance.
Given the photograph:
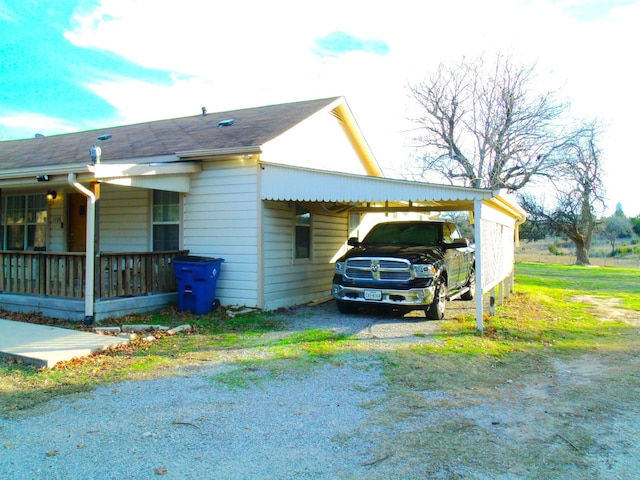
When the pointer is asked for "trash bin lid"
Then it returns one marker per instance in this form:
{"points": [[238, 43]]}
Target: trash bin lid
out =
{"points": [[197, 259]]}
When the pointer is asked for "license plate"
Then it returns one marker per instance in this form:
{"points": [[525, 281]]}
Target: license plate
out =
{"points": [[372, 295]]}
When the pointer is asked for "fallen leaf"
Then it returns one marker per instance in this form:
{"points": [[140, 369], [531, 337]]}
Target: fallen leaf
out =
{"points": [[161, 471], [52, 453]]}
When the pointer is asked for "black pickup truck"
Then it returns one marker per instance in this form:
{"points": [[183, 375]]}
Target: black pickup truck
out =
{"points": [[404, 266]]}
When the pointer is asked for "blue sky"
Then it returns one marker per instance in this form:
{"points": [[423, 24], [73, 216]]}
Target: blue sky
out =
{"points": [[70, 65]]}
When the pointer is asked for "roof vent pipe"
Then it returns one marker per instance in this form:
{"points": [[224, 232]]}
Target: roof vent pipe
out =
{"points": [[96, 153], [204, 111]]}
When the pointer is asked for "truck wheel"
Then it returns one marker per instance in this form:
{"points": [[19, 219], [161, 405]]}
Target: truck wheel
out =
{"points": [[471, 283], [346, 307], [436, 309]]}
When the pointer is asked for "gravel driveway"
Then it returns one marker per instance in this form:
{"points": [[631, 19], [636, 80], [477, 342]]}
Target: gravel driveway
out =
{"points": [[327, 423]]}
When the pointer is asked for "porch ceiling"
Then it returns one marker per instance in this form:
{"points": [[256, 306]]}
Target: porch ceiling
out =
{"points": [[173, 176], [160, 174]]}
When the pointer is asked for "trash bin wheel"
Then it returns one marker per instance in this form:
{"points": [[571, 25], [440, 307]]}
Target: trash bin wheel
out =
{"points": [[215, 304]]}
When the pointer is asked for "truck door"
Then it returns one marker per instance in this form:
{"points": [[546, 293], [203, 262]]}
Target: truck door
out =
{"points": [[454, 257]]}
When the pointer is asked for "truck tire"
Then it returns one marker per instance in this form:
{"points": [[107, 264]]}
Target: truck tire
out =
{"points": [[437, 307], [346, 307], [471, 283]]}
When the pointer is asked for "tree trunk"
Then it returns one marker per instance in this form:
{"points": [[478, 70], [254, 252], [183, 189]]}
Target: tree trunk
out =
{"points": [[582, 254]]}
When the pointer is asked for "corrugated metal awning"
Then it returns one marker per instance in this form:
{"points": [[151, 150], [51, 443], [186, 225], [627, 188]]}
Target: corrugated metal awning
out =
{"points": [[286, 183]]}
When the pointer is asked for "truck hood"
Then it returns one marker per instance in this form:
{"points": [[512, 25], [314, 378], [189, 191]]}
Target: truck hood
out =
{"points": [[414, 254]]}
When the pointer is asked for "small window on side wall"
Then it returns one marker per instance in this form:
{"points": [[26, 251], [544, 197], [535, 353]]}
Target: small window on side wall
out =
{"points": [[303, 233], [354, 225], [166, 220]]}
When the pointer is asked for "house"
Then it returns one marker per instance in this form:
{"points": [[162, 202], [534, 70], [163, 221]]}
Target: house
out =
{"points": [[92, 221]]}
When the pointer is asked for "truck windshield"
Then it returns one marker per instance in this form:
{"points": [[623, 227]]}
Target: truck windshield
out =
{"points": [[403, 234]]}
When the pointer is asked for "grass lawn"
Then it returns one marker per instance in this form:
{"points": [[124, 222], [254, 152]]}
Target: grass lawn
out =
{"points": [[544, 319]]}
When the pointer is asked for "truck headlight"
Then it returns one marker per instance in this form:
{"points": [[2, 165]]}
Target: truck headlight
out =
{"points": [[423, 270], [339, 268]]}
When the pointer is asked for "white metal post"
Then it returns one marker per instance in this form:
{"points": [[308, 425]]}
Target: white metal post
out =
{"points": [[477, 229]]}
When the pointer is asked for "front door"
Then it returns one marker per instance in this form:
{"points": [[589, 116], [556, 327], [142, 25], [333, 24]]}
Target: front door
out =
{"points": [[77, 240]]}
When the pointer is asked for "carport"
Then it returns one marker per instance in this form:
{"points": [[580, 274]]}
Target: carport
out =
{"points": [[495, 215]]}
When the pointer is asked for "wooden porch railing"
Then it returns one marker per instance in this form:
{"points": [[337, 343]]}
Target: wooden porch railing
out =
{"points": [[136, 273], [63, 274], [42, 273]]}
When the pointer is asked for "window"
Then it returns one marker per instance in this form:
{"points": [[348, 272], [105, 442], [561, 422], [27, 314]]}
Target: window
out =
{"points": [[24, 222], [354, 225], [165, 220], [303, 233]]}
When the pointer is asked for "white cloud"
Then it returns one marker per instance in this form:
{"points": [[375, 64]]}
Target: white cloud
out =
{"points": [[21, 124], [228, 55]]}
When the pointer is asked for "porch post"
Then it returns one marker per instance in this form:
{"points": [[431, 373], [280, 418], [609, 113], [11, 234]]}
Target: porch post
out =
{"points": [[90, 247]]}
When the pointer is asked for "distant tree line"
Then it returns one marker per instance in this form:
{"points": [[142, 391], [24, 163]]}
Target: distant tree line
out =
{"points": [[613, 229]]}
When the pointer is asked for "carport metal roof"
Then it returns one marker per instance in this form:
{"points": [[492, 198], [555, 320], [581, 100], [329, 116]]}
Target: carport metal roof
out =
{"points": [[349, 192], [287, 183]]}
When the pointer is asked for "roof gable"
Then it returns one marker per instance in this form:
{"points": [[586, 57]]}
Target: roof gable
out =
{"points": [[322, 141], [252, 127]]}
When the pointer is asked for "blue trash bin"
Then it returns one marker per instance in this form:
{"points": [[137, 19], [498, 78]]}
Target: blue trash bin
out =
{"points": [[197, 279]]}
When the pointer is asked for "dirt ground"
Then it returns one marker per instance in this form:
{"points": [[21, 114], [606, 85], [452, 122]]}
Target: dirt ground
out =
{"points": [[574, 418]]}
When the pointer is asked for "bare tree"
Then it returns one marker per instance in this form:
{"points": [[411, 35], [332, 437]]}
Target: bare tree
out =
{"points": [[482, 126], [579, 191]]}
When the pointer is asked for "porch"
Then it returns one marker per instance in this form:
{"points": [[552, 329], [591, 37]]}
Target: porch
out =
{"points": [[54, 282]]}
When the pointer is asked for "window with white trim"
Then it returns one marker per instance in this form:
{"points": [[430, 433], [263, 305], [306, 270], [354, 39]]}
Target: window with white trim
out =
{"points": [[24, 222], [165, 220], [303, 233], [354, 224]]}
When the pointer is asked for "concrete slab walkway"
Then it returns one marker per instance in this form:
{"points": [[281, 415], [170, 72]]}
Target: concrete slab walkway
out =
{"points": [[44, 345]]}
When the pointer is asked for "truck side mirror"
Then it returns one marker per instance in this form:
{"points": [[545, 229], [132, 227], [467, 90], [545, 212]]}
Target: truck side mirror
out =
{"points": [[458, 243], [353, 242]]}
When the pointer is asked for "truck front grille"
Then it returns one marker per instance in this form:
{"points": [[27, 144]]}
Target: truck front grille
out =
{"points": [[382, 269]]}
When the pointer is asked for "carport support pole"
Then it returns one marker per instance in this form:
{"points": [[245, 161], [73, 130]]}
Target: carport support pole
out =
{"points": [[89, 276], [477, 232], [492, 302]]}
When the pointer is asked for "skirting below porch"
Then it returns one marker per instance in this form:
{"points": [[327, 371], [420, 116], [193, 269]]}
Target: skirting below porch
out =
{"points": [[73, 308]]}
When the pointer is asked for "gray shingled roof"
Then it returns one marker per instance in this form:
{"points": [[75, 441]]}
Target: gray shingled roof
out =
{"points": [[252, 127]]}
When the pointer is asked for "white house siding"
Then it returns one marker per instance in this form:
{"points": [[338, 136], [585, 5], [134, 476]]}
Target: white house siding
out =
{"points": [[124, 218], [292, 282], [220, 221], [124, 214], [303, 146]]}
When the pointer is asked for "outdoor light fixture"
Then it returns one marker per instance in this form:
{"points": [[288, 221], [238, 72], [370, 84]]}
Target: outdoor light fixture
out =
{"points": [[52, 195], [42, 178]]}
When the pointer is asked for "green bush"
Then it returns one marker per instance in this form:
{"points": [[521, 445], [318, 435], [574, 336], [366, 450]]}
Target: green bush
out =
{"points": [[554, 250], [626, 250]]}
